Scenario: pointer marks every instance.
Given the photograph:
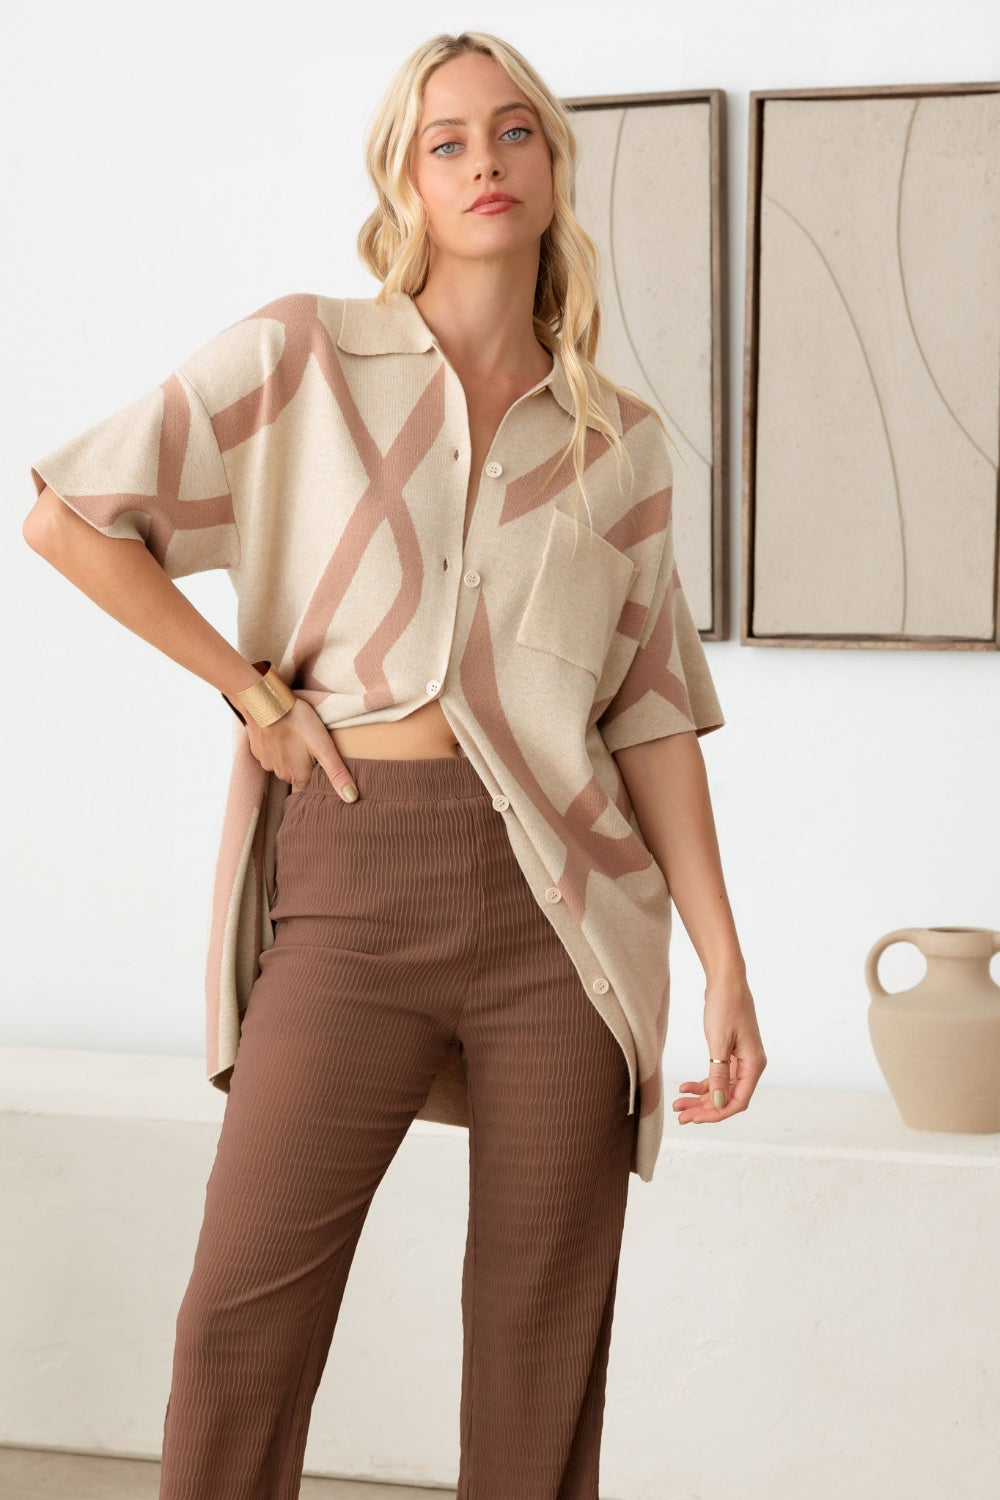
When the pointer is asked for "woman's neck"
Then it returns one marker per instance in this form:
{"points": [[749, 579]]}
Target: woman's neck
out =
{"points": [[482, 316]]}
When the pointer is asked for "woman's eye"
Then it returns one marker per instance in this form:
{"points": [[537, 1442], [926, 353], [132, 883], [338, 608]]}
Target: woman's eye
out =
{"points": [[442, 148]]}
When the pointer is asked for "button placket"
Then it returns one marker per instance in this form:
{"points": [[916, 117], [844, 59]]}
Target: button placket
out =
{"points": [[494, 468]]}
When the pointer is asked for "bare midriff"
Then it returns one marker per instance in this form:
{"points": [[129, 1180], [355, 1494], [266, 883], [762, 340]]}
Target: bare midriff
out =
{"points": [[424, 734]]}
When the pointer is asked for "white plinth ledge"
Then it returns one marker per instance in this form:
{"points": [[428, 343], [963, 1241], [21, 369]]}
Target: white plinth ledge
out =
{"points": [[807, 1299]]}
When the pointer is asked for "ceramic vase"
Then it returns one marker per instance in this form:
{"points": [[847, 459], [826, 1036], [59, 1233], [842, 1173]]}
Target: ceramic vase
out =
{"points": [[938, 1044]]}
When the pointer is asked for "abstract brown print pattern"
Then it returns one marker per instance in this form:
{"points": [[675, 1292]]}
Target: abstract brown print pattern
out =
{"points": [[383, 500]]}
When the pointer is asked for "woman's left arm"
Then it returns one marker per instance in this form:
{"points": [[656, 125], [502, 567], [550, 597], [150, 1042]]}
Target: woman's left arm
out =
{"points": [[668, 787]]}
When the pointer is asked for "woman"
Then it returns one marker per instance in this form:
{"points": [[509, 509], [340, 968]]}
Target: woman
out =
{"points": [[466, 782]]}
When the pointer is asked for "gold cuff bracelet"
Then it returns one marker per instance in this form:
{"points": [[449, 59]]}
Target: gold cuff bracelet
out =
{"points": [[267, 700]]}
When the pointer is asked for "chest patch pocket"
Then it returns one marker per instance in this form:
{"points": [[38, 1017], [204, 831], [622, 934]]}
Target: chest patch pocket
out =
{"points": [[577, 594]]}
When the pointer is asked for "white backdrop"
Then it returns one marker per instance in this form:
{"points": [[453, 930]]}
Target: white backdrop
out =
{"points": [[176, 166]]}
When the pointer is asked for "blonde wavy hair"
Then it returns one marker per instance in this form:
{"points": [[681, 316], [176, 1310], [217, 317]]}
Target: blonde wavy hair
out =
{"points": [[393, 244]]}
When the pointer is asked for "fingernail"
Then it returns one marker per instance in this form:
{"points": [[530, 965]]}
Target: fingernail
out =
{"points": [[719, 1098], [350, 794]]}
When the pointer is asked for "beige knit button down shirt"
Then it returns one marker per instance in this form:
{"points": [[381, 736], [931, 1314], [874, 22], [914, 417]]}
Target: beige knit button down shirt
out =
{"points": [[318, 449]]}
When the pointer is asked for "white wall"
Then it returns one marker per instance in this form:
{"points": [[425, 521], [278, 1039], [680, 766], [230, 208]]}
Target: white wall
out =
{"points": [[178, 165]]}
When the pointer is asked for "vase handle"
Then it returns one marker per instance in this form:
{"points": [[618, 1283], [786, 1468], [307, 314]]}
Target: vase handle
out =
{"points": [[996, 942], [904, 935]]}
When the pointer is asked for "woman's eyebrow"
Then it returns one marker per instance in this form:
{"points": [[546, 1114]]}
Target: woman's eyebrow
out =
{"points": [[501, 109]]}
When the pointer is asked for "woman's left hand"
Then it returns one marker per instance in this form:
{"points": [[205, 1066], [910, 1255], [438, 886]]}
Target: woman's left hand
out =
{"points": [[732, 1033]]}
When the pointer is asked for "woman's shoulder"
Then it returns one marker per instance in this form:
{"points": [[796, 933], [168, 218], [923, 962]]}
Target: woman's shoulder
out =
{"points": [[247, 350], [292, 321], [290, 315]]}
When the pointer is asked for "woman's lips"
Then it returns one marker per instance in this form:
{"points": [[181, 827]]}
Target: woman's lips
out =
{"points": [[498, 206]]}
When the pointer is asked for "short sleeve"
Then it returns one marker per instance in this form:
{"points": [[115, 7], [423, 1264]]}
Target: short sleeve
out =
{"points": [[667, 687], [152, 471]]}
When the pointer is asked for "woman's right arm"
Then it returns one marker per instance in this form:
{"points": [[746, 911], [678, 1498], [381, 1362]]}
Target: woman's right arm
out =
{"points": [[124, 578]]}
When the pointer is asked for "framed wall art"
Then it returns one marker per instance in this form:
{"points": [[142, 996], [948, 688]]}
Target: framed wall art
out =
{"points": [[651, 193], [872, 368]]}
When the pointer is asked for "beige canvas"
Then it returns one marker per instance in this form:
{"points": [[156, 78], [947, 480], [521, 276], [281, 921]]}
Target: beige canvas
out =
{"points": [[875, 478], [644, 197]]}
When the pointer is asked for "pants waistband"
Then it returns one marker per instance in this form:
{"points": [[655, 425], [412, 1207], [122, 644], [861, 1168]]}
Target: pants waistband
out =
{"points": [[440, 777]]}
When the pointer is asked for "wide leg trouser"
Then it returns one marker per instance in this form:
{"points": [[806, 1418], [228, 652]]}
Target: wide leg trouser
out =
{"points": [[404, 921]]}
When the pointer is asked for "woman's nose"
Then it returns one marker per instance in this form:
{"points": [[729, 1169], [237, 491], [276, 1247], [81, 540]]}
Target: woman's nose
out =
{"points": [[486, 162]]}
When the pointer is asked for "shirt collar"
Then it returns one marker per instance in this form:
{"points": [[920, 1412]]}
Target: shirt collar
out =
{"points": [[396, 327]]}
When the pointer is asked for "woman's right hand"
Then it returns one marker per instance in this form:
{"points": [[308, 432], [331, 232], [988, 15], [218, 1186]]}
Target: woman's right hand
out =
{"points": [[291, 746]]}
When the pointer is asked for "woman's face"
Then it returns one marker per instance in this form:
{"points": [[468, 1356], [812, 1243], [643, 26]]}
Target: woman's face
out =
{"points": [[492, 143]]}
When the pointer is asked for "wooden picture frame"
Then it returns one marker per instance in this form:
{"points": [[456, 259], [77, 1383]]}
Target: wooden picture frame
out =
{"points": [[664, 207], [871, 383]]}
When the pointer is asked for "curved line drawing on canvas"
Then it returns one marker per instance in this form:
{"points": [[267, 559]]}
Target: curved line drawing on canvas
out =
{"points": [[618, 295], [871, 376], [906, 301]]}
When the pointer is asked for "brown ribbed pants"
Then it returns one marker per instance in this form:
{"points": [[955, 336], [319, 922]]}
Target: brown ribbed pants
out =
{"points": [[402, 922]]}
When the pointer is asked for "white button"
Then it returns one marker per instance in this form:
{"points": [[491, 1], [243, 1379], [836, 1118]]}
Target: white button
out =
{"points": [[433, 686], [553, 893], [601, 986], [472, 578], [493, 469], [500, 803]]}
